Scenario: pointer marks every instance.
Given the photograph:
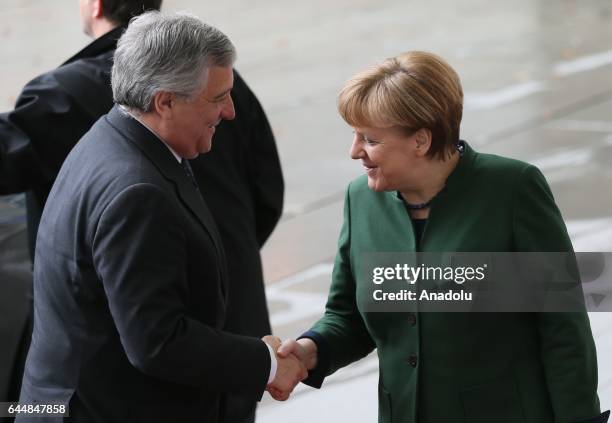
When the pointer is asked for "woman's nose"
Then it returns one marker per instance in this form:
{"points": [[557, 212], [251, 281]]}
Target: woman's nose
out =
{"points": [[356, 150]]}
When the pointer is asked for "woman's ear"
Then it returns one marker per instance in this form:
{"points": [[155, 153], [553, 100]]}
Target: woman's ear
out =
{"points": [[423, 141]]}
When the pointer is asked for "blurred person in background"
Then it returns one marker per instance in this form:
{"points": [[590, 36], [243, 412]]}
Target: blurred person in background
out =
{"points": [[242, 183], [240, 178], [51, 114], [55, 109], [425, 190]]}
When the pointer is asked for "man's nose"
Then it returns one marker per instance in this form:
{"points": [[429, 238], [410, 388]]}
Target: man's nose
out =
{"points": [[228, 112]]}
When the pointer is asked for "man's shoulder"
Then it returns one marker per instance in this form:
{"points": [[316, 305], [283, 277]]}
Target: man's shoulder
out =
{"points": [[78, 79], [105, 161], [85, 66], [108, 144]]}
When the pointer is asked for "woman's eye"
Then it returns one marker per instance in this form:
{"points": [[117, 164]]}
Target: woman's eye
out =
{"points": [[363, 138]]}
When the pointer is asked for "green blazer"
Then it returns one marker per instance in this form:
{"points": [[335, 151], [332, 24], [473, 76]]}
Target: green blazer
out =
{"points": [[463, 367]]}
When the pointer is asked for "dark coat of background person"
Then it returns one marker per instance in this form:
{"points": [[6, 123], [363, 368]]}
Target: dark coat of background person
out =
{"points": [[51, 114], [242, 183], [130, 282], [240, 178]]}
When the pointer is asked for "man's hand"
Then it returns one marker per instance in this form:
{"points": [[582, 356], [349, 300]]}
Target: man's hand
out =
{"points": [[289, 372], [273, 341], [305, 352]]}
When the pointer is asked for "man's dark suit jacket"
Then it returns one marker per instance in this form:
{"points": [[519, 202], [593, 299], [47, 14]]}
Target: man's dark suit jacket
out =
{"points": [[130, 287]]}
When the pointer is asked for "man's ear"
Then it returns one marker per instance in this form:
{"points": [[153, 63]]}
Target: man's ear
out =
{"points": [[423, 141], [97, 10], [163, 103]]}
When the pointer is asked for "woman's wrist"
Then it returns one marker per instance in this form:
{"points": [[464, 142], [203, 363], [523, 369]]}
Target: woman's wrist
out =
{"points": [[309, 348]]}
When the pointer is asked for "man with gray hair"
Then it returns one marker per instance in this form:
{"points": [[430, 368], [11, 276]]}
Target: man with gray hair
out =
{"points": [[130, 280]]}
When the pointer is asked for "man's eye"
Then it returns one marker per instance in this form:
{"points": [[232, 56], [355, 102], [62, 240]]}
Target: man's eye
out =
{"points": [[220, 99], [369, 141]]}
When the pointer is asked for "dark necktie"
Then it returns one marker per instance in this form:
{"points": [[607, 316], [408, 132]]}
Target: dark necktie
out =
{"points": [[189, 172]]}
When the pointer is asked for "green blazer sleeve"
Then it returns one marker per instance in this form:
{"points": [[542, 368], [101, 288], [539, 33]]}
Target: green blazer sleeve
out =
{"points": [[342, 326], [567, 347]]}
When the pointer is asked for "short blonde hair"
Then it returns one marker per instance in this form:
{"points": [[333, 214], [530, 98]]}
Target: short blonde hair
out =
{"points": [[411, 91]]}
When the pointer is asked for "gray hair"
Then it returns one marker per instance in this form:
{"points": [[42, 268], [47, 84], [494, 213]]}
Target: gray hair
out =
{"points": [[166, 52]]}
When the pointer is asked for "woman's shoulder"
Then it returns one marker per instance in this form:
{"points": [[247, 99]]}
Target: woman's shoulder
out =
{"points": [[500, 169], [358, 188], [358, 185], [358, 192], [496, 163]]}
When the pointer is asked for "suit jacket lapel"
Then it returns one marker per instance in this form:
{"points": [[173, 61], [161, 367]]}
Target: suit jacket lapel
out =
{"points": [[166, 163]]}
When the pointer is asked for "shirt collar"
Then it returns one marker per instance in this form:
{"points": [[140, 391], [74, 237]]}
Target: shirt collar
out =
{"points": [[174, 153]]}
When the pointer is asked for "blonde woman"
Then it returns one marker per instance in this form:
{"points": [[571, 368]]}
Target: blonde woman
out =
{"points": [[426, 190]]}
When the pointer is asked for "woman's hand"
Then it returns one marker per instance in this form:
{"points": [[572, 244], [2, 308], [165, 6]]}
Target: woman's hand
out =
{"points": [[304, 349]]}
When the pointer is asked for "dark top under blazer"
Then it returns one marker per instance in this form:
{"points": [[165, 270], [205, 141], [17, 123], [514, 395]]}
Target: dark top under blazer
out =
{"points": [[461, 367], [130, 286]]}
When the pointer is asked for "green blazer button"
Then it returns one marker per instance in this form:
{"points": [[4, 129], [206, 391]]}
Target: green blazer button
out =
{"points": [[413, 360], [412, 319]]}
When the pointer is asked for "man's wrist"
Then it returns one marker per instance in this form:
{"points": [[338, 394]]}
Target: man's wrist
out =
{"points": [[273, 364]]}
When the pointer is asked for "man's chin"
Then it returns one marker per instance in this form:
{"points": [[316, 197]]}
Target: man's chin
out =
{"points": [[205, 147]]}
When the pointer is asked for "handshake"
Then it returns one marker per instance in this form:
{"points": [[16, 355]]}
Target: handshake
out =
{"points": [[294, 359]]}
